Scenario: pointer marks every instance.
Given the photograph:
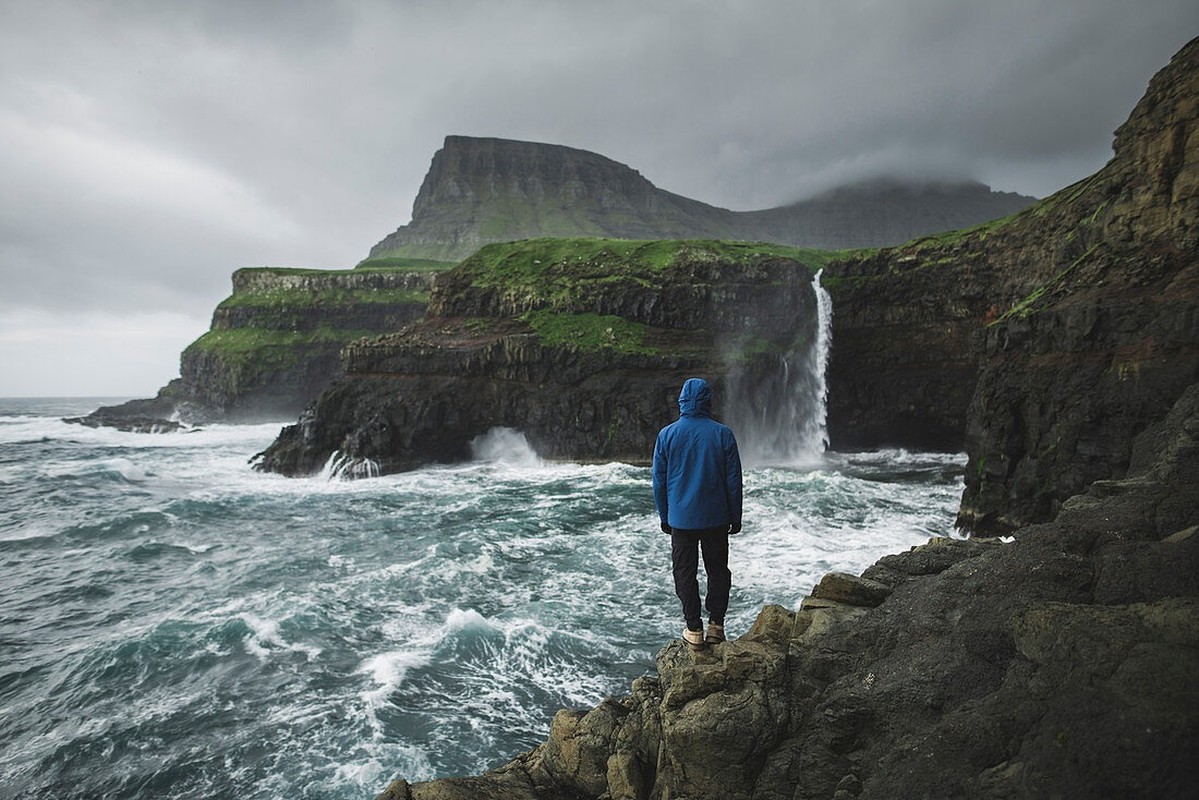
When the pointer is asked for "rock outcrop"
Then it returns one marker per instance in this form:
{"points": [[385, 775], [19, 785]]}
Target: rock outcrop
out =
{"points": [[481, 190], [275, 343], [581, 344], [1104, 343], [1062, 664]]}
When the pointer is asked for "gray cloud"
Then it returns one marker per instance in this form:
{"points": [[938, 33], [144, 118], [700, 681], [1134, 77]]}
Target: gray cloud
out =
{"points": [[147, 149]]}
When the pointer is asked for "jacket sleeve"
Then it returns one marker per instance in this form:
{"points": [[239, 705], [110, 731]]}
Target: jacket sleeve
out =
{"points": [[659, 479], [732, 478]]}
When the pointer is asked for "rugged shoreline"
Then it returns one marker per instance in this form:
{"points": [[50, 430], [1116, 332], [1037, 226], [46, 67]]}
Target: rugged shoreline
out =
{"points": [[1061, 664]]}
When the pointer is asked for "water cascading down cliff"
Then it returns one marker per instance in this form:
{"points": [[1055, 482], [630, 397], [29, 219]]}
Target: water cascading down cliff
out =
{"points": [[780, 416]]}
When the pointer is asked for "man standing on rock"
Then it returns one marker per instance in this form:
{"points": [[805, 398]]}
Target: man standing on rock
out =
{"points": [[697, 489]]}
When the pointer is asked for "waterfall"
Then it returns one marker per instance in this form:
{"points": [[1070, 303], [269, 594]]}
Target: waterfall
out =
{"points": [[780, 407], [818, 356]]}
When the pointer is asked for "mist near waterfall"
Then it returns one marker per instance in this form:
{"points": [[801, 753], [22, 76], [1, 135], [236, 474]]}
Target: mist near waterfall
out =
{"points": [[778, 403]]}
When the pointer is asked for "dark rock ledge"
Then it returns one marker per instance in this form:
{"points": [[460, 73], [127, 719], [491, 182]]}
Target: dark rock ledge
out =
{"points": [[1061, 664]]}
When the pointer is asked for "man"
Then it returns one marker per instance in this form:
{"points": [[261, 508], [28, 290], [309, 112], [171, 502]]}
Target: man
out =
{"points": [[697, 489]]}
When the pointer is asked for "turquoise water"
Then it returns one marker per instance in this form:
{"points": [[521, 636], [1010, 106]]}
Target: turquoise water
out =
{"points": [[175, 624]]}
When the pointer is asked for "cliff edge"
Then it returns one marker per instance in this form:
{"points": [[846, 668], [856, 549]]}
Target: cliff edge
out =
{"points": [[580, 344], [275, 343]]}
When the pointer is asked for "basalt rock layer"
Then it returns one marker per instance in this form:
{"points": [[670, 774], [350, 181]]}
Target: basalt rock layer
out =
{"points": [[482, 190], [581, 344], [1061, 664]]}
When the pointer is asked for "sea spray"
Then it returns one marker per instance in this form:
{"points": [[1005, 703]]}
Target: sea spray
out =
{"points": [[504, 446], [345, 467]]}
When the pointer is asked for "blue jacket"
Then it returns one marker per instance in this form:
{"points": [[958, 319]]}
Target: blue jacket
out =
{"points": [[697, 469]]}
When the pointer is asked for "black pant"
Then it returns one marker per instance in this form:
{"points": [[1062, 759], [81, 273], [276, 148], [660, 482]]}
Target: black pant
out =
{"points": [[684, 547]]}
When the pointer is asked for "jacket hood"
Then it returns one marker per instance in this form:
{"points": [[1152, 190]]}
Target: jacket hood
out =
{"points": [[696, 397]]}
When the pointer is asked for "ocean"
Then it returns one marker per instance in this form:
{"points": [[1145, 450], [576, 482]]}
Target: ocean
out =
{"points": [[173, 623]]}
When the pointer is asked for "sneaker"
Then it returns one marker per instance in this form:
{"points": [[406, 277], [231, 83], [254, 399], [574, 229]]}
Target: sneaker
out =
{"points": [[715, 633], [694, 639]]}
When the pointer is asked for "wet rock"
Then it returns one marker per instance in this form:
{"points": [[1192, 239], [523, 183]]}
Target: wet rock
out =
{"points": [[129, 424], [477, 361], [851, 590], [1042, 345], [275, 343]]}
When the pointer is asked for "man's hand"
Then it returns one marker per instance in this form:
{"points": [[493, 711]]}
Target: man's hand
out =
{"points": [[666, 528], [734, 528]]}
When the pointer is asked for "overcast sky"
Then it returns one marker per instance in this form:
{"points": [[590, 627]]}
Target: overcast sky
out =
{"points": [[148, 148]]}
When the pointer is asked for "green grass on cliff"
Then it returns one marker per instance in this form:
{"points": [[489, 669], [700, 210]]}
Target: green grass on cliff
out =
{"points": [[268, 348], [589, 332], [1029, 305], [307, 299], [531, 262], [387, 264]]}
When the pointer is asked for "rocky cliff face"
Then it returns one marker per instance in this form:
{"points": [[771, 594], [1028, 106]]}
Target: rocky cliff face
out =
{"points": [[579, 344], [1051, 338], [492, 190], [275, 343], [1059, 665], [1103, 345]]}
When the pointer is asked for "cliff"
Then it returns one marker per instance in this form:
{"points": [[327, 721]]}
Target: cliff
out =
{"points": [[579, 343], [274, 343], [479, 191], [1051, 338]]}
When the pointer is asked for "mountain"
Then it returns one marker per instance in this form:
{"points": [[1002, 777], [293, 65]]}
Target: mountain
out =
{"points": [[482, 190]]}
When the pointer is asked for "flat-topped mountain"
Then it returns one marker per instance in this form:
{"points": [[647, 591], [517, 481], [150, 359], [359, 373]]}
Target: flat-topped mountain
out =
{"points": [[482, 190]]}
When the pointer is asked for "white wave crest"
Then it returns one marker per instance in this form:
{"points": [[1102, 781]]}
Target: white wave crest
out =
{"points": [[265, 637], [346, 467]]}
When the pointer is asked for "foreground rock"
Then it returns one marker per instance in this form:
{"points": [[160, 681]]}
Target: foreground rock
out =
{"points": [[1063, 664]]}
